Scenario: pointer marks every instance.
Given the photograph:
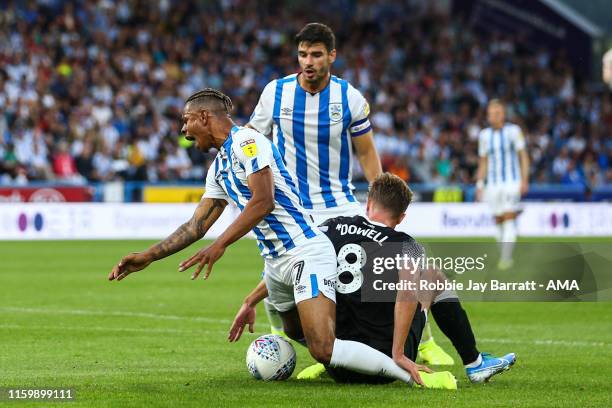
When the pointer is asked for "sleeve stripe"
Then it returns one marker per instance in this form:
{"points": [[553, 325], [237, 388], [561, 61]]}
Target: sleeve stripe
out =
{"points": [[254, 165], [358, 127], [359, 122], [361, 132]]}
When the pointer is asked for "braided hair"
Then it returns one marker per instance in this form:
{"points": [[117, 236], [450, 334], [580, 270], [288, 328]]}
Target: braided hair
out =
{"points": [[212, 99]]}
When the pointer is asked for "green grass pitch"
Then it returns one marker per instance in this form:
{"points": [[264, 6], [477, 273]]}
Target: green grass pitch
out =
{"points": [[159, 339]]}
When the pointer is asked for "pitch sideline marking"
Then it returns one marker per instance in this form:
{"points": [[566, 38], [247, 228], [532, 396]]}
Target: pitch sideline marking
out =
{"points": [[109, 329], [548, 342], [114, 313]]}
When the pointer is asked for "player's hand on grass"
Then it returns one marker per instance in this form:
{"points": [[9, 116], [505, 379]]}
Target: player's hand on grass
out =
{"points": [[246, 315], [207, 256], [133, 262], [412, 368]]}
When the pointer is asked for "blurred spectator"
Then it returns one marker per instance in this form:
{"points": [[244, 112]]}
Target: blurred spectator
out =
{"points": [[84, 161], [561, 164], [102, 84], [13, 171], [573, 175], [64, 165], [103, 163], [178, 162]]}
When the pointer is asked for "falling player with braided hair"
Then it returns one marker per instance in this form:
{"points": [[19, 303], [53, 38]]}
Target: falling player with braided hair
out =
{"points": [[300, 261]]}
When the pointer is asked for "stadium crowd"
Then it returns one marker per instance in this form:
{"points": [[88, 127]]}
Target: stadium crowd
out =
{"points": [[93, 90]]}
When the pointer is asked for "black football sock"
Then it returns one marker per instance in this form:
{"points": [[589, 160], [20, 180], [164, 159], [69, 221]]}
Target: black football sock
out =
{"points": [[454, 323]]}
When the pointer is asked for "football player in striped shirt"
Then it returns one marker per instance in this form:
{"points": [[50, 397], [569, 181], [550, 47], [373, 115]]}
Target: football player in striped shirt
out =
{"points": [[502, 176], [316, 120], [300, 261]]}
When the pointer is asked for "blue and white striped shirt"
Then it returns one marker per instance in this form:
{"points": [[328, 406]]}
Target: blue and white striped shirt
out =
{"points": [[501, 147], [313, 135], [245, 152]]}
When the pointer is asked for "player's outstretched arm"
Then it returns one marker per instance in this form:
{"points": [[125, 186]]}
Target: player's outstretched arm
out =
{"points": [[261, 185], [365, 150], [246, 314], [205, 215]]}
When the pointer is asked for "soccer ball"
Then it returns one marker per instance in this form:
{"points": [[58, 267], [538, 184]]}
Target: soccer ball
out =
{"points": [[270, 358]]}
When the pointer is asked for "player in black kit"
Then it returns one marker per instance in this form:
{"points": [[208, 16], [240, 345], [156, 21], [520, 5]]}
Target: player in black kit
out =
{"points": [[392, 327], [372, 322]]}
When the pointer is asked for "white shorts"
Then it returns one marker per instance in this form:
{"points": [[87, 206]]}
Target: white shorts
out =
{"points": [[347, 210], [503, 198], [301, 273]]}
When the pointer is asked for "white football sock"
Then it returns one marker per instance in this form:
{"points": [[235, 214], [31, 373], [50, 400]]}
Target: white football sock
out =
{"points": [[364, 359], [499, 232], [426, 335], [475, 363], [508, 239], [276, 322]]}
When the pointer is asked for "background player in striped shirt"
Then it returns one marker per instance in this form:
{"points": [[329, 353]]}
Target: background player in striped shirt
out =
{"points": [[300, 261], [316, 119], [503, 175]]}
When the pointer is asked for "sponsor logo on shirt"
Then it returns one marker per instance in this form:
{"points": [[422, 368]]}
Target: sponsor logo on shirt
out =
{"points": [[330, 283], [366, 109], [249, 147]]}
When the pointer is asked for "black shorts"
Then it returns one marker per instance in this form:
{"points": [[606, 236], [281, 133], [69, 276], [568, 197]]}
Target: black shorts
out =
{"points": [[342, 375]]}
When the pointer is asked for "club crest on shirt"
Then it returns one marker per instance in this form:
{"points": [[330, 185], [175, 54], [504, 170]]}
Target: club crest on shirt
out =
{"points": [[249, 147], [335, 112]]}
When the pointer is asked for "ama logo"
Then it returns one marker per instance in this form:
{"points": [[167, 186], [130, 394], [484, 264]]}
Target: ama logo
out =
{"points": [[36, 222]]}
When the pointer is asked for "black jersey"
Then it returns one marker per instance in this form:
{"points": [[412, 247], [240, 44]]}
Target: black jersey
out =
{"points": [[367, 322]]}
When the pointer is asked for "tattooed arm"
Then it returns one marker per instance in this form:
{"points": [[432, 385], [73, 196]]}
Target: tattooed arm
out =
{"points": [[205, 215], [193, 230]]}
